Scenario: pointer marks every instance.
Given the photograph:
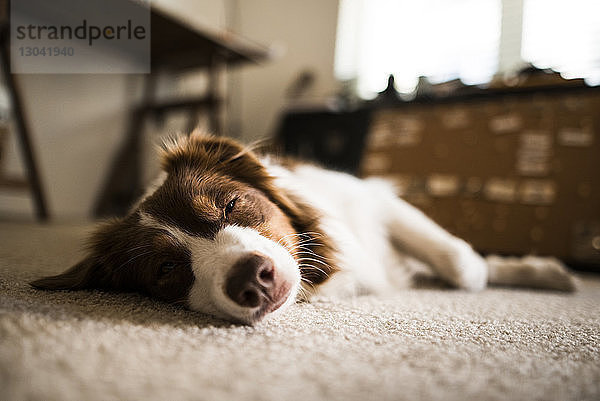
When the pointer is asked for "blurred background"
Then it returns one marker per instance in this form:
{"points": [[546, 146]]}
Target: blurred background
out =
{"points": [[484, 113]]}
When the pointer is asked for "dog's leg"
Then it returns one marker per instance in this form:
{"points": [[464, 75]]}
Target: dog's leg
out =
{"points": [[458, 264], [451, 258], [530, 271]]}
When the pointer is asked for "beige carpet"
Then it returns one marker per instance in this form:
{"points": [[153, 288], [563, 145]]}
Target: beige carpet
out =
{"points": [[422, 344]]}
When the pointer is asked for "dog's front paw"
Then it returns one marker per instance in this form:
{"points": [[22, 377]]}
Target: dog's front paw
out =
{"points": [[462, 267]]}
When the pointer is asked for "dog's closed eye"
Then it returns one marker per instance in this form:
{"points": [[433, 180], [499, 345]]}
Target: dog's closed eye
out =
{"points": [[167, 267]]}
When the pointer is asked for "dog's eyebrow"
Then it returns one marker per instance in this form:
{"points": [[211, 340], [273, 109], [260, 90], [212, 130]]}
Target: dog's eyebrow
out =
{"points": [[150, 221]]}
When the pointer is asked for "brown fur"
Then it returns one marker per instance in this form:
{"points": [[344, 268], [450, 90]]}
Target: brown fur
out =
{"points": [[204, 175], [123, 257], [228, 157]]}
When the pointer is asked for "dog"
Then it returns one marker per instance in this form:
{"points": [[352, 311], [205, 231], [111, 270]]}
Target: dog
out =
{"points": [[240, 236]]}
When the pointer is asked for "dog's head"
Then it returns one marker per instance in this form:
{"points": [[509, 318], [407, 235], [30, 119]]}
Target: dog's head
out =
{"points": [[216, 236]]}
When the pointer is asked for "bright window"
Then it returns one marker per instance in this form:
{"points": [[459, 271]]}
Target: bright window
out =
{"points": [[563, 35], [448, 39], [439, 39]]}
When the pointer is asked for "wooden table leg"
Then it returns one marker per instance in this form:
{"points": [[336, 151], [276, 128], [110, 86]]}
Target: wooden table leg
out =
{"points": [[33, 176]]}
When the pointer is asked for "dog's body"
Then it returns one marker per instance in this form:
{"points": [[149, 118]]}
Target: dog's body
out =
{"points": [[226, 233]]}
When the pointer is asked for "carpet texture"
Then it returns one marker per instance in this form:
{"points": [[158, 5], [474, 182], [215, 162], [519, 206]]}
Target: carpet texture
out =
{"points": [[421, 344]]}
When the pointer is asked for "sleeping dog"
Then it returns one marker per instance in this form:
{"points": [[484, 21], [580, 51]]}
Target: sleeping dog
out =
{"points": [[238, 236]]}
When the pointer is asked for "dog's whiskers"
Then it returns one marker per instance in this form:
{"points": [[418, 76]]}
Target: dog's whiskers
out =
{"points": [[132, 259], [305, 267], [143, 246], [307, 281], [308, 236], [307, 259], [304, 293], [311, 253], [307, 247]]}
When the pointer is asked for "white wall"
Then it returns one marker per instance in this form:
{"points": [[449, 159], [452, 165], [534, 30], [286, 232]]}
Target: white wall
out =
{"points": [[207, 14], [76, 123], [509, 56], [304, 31]]}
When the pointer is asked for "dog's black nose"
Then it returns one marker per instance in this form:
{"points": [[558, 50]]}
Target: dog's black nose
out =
{"points": [[251, 281]]}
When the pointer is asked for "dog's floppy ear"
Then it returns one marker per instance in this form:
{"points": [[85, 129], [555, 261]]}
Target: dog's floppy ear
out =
{"points": [[94, 271], [82, 275]]}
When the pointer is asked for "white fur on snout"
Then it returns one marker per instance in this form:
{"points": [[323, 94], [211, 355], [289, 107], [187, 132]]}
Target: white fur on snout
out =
{"points": [[213, 258]]}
